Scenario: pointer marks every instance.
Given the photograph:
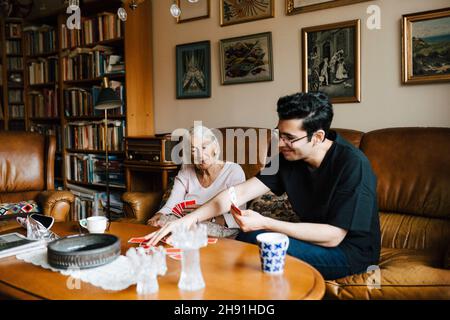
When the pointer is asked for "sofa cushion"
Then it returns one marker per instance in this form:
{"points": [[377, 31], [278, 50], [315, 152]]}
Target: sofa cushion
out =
{"points": [[275, 207], [404, 274], [23, 207]]}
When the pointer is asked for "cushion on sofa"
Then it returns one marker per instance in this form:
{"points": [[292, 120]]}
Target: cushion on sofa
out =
{"points": [[23, 207], [404, 274], [275, 207]]}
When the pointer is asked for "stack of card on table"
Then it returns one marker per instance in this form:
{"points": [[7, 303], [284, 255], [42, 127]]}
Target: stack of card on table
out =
{"points": [[178, 210], [174, 253]]}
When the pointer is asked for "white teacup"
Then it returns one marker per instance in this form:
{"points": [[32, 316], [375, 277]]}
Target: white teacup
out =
{"points": [[96, 224]]}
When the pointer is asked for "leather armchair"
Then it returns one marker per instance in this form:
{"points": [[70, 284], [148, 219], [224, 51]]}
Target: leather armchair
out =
{"points": [[27, 173]]}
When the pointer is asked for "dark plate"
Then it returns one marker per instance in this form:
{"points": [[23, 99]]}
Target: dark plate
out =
{"points": [[83, 251]]}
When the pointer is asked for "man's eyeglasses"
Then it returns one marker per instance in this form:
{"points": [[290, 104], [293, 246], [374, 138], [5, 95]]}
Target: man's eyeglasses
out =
{"points": [[290, 142]]}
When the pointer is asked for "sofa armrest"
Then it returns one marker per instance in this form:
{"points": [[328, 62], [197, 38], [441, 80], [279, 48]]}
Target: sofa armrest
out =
{"points": [[140, 206], [56, 204]]}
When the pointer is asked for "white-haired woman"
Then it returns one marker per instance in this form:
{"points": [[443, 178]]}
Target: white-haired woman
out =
{"points": [[203, 179]]}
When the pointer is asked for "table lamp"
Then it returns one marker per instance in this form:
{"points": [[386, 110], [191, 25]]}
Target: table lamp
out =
{"points": [[107, 100]]}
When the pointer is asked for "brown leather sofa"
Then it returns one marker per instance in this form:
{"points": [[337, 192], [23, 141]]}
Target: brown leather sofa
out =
{"points": [[27, 173], [413, 172]]}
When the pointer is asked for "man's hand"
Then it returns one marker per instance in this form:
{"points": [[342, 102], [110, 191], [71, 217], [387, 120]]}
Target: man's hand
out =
{"points": [[168, 228], [249, 220]]}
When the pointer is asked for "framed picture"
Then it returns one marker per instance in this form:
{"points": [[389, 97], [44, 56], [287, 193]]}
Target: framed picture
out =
{"points": [[232, 11], [331, 60], [246, 59], [426, 47], [302, 6], [191, 11], [193, 69]]}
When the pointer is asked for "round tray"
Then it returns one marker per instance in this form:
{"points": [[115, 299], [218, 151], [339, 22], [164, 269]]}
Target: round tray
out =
{"points": [[83, 251]]}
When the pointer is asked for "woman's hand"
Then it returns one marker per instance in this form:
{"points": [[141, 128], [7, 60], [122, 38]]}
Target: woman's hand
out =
{"points": [[168, 228], [154, 220], [249, 220]]}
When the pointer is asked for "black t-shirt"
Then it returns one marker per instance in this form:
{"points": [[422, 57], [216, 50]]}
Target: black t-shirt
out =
{"points": [[341, 192]]}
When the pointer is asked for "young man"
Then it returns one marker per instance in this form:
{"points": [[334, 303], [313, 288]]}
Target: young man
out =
{"points": [[329, 183]]}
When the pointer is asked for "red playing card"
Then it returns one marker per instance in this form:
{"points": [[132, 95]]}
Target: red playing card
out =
{"points": [[190, 203], [176, 256], [137, 240], [236, 209], [212, 240], [173, 251]]}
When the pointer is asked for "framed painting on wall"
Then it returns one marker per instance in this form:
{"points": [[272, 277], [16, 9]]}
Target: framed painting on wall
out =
{"points": [[246, 59], [302, 6], [331, 60], [234, 11], [193, 68], [426, 47], [191, 11]]}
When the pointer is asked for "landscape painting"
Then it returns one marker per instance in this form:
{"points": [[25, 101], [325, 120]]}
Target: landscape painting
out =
{"points": [[427, 47]]}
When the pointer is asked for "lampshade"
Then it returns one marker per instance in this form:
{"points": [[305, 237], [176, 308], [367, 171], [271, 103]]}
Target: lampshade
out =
{"points": [[107, 98]]}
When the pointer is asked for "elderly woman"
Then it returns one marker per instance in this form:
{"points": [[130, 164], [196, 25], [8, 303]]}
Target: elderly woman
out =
{"points": [[202, 180]]}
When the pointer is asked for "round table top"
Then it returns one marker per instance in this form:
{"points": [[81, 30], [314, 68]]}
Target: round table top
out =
{"points": [[231, 270]]}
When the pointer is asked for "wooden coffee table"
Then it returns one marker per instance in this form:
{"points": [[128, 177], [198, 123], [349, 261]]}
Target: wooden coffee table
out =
{"points": [[231, 270]]}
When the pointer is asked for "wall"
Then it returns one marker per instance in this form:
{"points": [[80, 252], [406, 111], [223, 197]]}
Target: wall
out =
{"points": [[385, 101]]}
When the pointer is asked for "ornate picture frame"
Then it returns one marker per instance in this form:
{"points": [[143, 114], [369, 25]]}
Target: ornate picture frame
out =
{"points": [[193, 70], [302, 6], [246, 59], [331, 60], [425, 41], [192, 11], [233, 12]]}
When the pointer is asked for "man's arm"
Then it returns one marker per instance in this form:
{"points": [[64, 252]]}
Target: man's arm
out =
{"points": [[320, 234], [217, 206]]}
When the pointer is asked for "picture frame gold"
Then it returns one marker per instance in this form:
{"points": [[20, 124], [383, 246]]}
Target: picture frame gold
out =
{"points": [[340, 79], [420, 68], [193, 11], [227, 16], [291, 9], [246, 59]]}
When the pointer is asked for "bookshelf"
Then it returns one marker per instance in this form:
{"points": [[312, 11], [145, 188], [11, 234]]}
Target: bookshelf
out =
{"points": [[86, 56], [56, 101], [13, 108]]}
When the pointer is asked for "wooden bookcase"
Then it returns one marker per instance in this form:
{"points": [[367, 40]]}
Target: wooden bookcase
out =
{"points": [[134, 44], [13, 104]]}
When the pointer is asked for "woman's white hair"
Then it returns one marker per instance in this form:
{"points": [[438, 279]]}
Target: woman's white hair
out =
{"points": [[205, 133]]}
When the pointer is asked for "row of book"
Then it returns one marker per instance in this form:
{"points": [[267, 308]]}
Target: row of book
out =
{"points": [[85, 63], [15, 63], [49, 130], [90, 168], [13, 47], [43, 104], [15, 96], [90, 135], [43, 71], [105, 26], [89, 202], [80, 101], [17, 111], [40, 40]]}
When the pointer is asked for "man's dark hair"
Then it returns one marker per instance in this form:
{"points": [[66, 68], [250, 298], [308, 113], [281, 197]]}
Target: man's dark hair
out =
{"points": [[314, 109]]}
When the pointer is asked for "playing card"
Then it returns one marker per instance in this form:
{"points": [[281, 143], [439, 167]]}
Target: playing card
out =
{"points": [[173, 251], [176, 256], [190, 203], [137, 240], [212, 240], [236, 210]]}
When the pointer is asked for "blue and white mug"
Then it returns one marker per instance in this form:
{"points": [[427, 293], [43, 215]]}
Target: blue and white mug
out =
{"points": [[273, 247]]}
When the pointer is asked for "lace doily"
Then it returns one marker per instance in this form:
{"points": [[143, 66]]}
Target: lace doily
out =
{"points": [[115, 276]]}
